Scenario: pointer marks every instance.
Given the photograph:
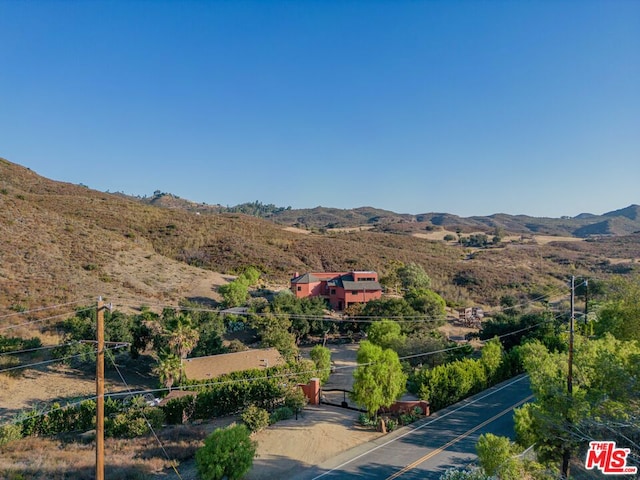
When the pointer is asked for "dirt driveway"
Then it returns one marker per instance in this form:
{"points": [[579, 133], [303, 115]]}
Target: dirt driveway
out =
{"points": [[320, 434]]}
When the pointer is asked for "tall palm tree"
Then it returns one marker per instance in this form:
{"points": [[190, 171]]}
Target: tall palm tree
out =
{"points": [[183, 337], [169, 369]]}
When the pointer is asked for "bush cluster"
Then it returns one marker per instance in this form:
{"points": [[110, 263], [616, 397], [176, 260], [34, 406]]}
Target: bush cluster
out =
{"points": [[227, 453], [255, 418], [121, 420], [366, 421], [279, 414], [233, 393], [12, 344], [410, 417], [447, 384]]}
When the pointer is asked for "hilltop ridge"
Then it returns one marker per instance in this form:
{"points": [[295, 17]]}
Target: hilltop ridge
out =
{"points": [[63, 241], [623, 221]]}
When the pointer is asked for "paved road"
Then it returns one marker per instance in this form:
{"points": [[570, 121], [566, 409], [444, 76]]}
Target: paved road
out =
{"points": [[428, 448]]}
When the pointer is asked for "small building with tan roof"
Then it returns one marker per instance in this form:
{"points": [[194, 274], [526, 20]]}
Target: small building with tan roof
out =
{"points": [[212, 366]]}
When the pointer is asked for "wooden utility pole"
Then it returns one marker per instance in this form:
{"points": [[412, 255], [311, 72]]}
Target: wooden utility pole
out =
{"points": [[566, 455], [100, 391], [571, 332]]}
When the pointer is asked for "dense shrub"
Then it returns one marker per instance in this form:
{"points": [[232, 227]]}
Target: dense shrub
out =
{"points": [[134, 422], [179, 410], [233, 393], [10, 433], [279, 414], [227, 452], [447, 384], [12, 344], [121, 420], [366, 421], [392, 425], [295, 399], [321, 356], [255, 418]]}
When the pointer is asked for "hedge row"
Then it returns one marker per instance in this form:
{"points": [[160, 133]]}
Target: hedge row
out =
{"points": [[447, 384], [122, 419], [233, 393]]}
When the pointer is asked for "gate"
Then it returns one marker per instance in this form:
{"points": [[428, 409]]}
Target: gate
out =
{"points": [[331, 398]]}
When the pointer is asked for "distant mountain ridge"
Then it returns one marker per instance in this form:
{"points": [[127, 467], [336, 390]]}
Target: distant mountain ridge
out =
{"points": [[63, 242], [624, 221]]}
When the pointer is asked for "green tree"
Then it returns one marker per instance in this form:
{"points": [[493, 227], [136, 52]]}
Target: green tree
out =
{"points": [[515, 329], [498, 234], [141, 333], [227, 452], [412, 276], [389, 308], [378, 380], [274, 332], [183, 337], [604, 397], [390, 279], [210, 330], [494, 453], [321, 356], [169, 369], [386, 334], [255, 418], [420, 349], [491, 358], [508, 303], [301, 311], [250, 276], [427, 301], [620, 315], [234, 294]]}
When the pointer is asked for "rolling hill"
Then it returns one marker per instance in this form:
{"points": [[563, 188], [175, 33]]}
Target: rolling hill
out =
{"points": [[63, 242], [619, 222]]}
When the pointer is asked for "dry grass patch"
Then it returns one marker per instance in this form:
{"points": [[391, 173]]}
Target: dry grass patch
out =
{"points": [[124, 459], [296, 230], [545, 239]]}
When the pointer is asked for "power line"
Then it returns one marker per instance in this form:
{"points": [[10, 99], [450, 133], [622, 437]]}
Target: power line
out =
{"points": [[346, 319], [40, 309], [315, 370], [47, 347], [290, 374], [46, 318], [172, 462], [45, 362], [18, 418], [286, 375], [353, 319]]}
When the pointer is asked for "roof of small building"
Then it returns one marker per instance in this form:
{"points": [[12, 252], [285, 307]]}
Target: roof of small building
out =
{"points": [[305, 278], [212, 366], [343, 280], [361, 285]]}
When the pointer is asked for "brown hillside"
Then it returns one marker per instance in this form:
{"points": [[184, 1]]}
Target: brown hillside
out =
{"points": [[64, 242]]}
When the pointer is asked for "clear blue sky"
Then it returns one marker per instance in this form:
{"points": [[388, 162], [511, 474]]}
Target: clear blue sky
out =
{"points": [[466, 107]]}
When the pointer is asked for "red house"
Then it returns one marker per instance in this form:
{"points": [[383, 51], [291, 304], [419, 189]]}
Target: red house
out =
{"points": [[341, 289]]}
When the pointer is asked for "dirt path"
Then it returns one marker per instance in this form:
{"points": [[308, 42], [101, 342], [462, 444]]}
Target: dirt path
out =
{"points": [[322, 433], [317, 435]]}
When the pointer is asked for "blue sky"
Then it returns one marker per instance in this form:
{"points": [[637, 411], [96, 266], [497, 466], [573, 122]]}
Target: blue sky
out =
{"points": [[466, 107]]}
